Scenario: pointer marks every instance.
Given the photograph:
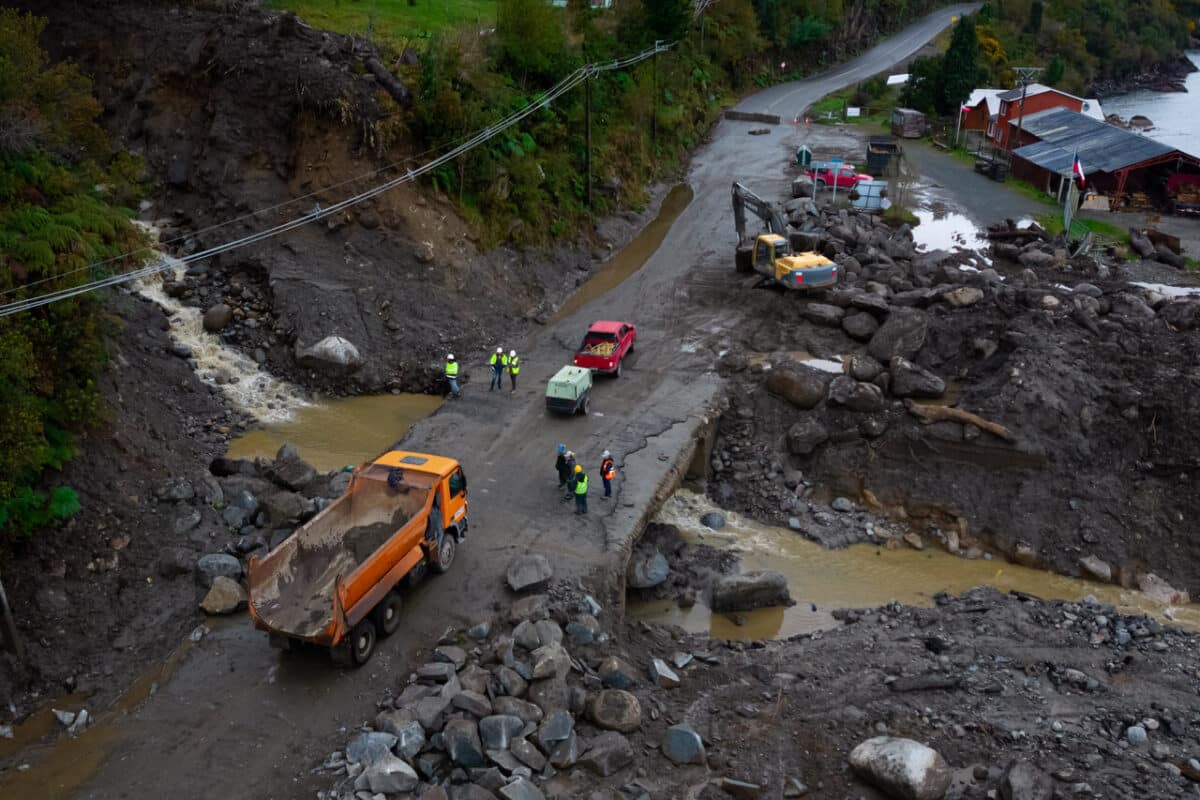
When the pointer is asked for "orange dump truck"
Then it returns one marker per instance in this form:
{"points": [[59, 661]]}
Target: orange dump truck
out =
{"points": [[334, 581]]}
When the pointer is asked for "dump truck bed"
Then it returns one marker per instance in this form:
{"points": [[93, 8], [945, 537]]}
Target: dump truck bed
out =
{"points": [[293, 587]]}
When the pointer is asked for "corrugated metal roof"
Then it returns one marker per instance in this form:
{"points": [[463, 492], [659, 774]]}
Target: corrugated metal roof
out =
{"points": [[1101, 147]]}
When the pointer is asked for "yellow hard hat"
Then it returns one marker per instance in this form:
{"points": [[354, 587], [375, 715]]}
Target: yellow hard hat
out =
{"points": [[578, 468]]}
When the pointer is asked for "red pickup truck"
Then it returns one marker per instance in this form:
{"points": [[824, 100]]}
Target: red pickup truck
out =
{"points": [[605, 345], [844, 177]]}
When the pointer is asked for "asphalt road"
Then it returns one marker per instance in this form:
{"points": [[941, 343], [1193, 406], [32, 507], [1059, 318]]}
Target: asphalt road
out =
{"points": [[238, 720]]}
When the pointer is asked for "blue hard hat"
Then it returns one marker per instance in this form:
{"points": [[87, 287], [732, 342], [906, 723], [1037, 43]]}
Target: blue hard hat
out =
{"points": [[561, 448]]}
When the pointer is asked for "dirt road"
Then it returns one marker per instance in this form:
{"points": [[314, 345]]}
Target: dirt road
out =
{"points": [[236, 720]]}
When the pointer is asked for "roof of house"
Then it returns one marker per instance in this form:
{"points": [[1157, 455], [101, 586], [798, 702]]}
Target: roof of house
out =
{"points": [[1101, 147], [1091, 105]]}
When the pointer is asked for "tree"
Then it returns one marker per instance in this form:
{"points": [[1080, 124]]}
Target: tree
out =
{"points": [[532, 39], [668, 20], [1036, 11], [807, 31], [924, 86], [1054, 72], [960, 68]]}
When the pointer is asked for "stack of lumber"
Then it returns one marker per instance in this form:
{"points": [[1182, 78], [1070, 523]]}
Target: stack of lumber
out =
{"points": [[604, 349]]}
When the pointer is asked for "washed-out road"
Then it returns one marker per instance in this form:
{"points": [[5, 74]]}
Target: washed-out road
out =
{"points": [[239, 720]]}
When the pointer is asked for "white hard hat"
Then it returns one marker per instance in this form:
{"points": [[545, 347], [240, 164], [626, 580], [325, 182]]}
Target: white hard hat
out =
{"points": [[499, 349], [512, 352], [450, 357], [606, 454]]}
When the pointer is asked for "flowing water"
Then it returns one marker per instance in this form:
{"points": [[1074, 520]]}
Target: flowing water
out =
{"points": [[633, 255], [1173, 113], [822, 580], [331, 434]]}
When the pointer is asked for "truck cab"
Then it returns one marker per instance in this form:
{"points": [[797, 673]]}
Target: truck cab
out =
{"points": [[773, 258]]}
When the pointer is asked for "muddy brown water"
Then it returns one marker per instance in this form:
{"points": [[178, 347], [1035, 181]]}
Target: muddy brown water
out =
{"points": [[632, 256], [335, 433], [857, 577]]}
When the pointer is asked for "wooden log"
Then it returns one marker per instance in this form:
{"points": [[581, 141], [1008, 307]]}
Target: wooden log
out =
{"points": [[389, 82], [932, 413]]}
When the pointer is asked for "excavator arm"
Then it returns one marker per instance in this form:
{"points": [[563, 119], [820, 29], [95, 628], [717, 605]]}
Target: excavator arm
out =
{"points": [[743, 198]]}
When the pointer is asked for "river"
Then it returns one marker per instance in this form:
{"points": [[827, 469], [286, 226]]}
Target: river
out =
{"points": [[1173, 113]]}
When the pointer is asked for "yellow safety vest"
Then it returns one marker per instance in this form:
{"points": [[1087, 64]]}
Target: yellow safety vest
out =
{"points": [[581, 484], [451, 369], [503, 360], [514, 365]]}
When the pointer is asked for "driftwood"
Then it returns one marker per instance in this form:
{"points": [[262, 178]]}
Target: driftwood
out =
{"points": [[947, 414], [388, 81]]}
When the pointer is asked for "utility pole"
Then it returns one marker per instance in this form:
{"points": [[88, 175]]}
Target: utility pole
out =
{"points": [[1025, 76], [587, 135], [654, 108]]}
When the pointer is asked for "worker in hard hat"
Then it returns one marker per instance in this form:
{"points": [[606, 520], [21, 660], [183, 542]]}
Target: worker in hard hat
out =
{"points": [[498, 362], [514, 368], [452, 376], [581, 487], [560, 464], [608, 471], [569, 467]]}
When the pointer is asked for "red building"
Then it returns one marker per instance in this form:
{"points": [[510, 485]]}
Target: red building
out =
{"points": [[1002, 127]]}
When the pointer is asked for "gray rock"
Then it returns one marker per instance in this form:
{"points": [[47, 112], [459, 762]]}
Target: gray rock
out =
{"points": [[615, 710], [504, 760], [806, 436], [224, 596], [186, 522], [902, 768], [861, 326], [713, 519], [438, 671], [461, 738], [533, 607], [750, 590], [431, 712], [551, 661], [217, 317], [557, 727], [290, 471], [565, 754], [903, 334], [1096, 568], [528, 572], [175, 490], [475, 678], [527, 754], [662, 675], [410, 737], [333, 354], [526, 635], [388, 775], [1023, 781], [609, 753], [823, 314], [1136, 735], [498, 730], [480, 631], [583, 630], [473, 703], [842, 504], [216, 565], [910, 380], [801, 386], [963, 296], [548, 631], [510, 682], [175, 561], [744, 790], [550, 694], [864, 368], [179, 350], [369, 747], [616, 673], [286, 508], [510, 706], [451, 655], [683, 745], [855, 395], [522, 789]]}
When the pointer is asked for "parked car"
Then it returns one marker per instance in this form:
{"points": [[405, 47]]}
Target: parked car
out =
{"points": [[605, 345], [569, 391], [844, 177]]}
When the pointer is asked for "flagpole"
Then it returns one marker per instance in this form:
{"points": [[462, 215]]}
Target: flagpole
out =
{"points": [[958, 124]]}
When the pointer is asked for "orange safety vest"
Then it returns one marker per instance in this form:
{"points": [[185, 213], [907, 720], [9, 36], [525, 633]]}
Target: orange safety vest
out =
{"points": [[606, 469]]}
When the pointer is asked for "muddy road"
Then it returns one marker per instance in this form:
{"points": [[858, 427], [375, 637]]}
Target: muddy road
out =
{"points": [[239, 721]]}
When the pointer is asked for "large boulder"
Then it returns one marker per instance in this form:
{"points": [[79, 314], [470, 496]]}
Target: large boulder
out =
{"points": [[610, 753], [823, 314], [902, 768], [1162, 592], [646, 570], [1182, 315], [529, 571], [461, 738], [749, 590], [332, 354], [963, 296], [286, 508], [369, 747], [855, 395], [861, 326], [389, 775], [224, 597], [217, 317], [806, 435], [615, 710], [903, 334], [910, 380], [1024, 781], [801, 386], [290, 471], [215, 565]]}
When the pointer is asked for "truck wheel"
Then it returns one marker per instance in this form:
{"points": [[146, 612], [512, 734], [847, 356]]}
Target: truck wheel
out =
{"points": [[584, 405], [386, 615], [362, 642], [445, 553], [617, 371]]}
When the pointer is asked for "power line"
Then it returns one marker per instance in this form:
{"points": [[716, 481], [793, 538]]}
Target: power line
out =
{"points": [[480, 137]]}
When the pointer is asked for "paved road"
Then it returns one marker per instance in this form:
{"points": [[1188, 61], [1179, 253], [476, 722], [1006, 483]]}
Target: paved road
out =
{"points": [[984, 200], [236, 720]]}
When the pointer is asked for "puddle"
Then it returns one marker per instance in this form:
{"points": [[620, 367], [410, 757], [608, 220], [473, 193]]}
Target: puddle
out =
{"points": [[833, 365], [335, 433], [632, 256], [941, 229], [856, 577], [246, 386]]}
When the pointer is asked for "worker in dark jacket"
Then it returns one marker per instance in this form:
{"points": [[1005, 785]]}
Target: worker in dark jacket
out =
{"points": [[570, 468], [581, 486], [607, 472], [560, 464]]}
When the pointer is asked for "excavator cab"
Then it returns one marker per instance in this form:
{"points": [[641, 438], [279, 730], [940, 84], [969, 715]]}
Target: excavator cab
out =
{"points": [[773, 256]]}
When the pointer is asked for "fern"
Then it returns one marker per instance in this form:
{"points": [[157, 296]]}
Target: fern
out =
{"points": [[64, 502]]}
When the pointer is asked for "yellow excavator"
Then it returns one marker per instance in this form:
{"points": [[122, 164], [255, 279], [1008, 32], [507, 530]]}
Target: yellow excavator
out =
{"points": [[769, 254]]}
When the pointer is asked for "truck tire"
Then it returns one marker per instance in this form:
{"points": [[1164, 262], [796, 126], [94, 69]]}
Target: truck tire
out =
{"points": [[584, 405], [445, 553], [386, 615], [362, 642], [617, 371]]}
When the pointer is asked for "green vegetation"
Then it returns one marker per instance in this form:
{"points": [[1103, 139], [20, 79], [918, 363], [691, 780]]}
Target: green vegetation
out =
{"points": [[899, 214], [873, 97], [1053, 223], [392, 23], [941, 83], [55, 218]]}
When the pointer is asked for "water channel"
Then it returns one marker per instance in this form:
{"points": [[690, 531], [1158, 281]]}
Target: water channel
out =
{"points": [[861, 576]]}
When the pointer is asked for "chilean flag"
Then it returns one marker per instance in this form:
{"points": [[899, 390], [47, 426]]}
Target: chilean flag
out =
{"points": [[1077, 171]]}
